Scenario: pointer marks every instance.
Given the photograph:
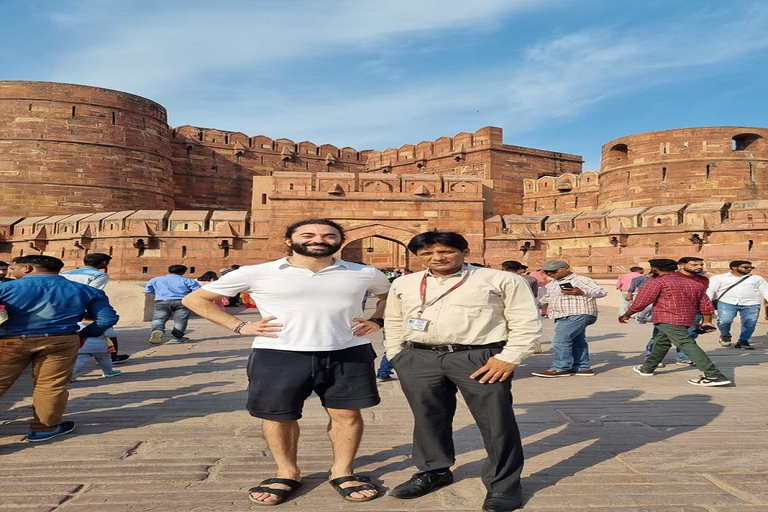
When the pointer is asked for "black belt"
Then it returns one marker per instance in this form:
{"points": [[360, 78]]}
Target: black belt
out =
{"points": [[25, 336], [453, 348]]}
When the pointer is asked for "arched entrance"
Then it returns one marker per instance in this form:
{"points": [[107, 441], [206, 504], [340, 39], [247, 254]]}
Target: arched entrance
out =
{"points": [[380, 252]]}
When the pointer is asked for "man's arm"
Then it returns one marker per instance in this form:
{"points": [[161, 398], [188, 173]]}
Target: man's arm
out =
{"points": [[103, 314], [714, 284], [523, 323], [393, 323], [365, 326], [100, 281], [201, 301]]}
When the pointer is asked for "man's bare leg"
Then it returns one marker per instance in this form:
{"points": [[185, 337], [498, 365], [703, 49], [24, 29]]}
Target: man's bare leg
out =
{"points": [[283, 441], [345, 430]]}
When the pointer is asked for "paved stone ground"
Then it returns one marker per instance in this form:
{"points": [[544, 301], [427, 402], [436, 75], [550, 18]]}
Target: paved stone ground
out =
{"points": [[170, 434]]}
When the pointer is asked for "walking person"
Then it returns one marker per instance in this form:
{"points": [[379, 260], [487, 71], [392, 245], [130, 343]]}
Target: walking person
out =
{"points": [[311, 338], [676, 299], [691, 267], [572, 304], [520, 269], [42, 331], [623, 284], [637, 283], [739, 292], [93, 272], [168, 291], [95, 347], [460, 328]]}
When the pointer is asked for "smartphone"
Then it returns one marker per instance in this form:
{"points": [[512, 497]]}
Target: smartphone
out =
{"points": [[566, 286], [704, 330]]}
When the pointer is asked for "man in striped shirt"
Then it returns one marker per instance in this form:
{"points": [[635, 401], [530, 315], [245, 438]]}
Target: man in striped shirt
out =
{"points": [[572, 304], [676, 299]]}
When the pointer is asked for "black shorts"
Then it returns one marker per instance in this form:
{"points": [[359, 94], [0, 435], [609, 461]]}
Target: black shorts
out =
{"points": [[279, 381]]}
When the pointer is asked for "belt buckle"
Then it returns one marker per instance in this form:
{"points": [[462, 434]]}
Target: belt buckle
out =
{"points": [[444, 348]]}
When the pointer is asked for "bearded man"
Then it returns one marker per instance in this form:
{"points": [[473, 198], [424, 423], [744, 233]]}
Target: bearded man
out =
{"points": [[311, 338]]}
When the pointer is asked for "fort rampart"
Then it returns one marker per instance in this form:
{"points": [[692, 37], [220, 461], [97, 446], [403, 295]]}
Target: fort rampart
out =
{"points": [[74, 149], [86, 169]]}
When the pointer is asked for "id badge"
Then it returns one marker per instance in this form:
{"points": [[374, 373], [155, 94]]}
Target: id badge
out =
{"points": [[417, 324]]}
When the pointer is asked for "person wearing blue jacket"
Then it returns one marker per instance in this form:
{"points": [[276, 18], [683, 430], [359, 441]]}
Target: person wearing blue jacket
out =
{"points": [[42, 329]]}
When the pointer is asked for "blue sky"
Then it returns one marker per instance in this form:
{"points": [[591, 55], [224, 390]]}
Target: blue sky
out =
{"points": [[560, 75]]}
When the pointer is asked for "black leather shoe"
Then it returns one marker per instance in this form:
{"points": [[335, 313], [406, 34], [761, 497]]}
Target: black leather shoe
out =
{"points": [[501, 502], [422, 483]]}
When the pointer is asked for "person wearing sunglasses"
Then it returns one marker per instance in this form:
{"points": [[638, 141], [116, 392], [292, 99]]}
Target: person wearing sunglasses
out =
{"points": [[738, 292]]}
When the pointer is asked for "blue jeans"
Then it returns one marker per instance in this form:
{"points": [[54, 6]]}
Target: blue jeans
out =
{"points": [[726, 314], [385, 368], [680, 356], [569, 343], [165, 309], [645, 315]]}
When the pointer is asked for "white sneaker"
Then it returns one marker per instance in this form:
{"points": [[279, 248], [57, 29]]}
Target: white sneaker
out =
{"points": [[637, 369]]}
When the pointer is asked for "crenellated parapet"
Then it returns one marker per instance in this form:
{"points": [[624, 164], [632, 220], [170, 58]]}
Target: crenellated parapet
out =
{"points": [[214, 168], [367, 186], [434, 156], [565, 193], [145, 242]]}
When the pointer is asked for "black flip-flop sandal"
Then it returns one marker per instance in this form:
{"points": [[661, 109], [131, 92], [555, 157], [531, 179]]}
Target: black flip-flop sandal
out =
{"points": [[282, 494], [365, 484]]}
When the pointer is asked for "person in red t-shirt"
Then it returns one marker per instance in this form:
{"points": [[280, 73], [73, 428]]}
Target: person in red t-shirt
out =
{"points": [[676, 300]]}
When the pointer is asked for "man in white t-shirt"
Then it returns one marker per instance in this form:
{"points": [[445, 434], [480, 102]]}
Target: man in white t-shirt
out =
{"points": [[739, 292], [311, 338]]}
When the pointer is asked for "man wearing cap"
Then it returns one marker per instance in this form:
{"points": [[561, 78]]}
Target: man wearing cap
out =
{"points": [[572, 304]]}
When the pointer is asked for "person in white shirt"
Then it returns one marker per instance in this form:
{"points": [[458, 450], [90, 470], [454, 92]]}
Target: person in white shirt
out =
{"points": [[311, 338], [738, 292], [93, 273]]}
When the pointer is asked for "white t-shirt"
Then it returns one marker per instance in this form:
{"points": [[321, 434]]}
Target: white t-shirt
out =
{"points": [[315, 308]]}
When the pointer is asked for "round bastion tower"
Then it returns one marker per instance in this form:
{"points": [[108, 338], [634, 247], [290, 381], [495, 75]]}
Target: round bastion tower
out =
{"points": [[690, 165], [68, 149]]}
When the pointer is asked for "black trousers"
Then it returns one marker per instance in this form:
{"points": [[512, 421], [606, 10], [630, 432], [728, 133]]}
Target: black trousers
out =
{"points": [[430, 381]]}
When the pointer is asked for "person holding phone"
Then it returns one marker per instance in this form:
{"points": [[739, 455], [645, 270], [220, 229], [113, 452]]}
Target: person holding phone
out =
{"points": [[572, 303]]}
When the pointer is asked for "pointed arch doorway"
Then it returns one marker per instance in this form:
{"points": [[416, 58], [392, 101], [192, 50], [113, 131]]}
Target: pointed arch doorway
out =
{"points": [[380, 252]]}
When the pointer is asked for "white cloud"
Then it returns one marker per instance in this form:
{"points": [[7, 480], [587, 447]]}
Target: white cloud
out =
{"points": [[168, 42], [225, 64]]}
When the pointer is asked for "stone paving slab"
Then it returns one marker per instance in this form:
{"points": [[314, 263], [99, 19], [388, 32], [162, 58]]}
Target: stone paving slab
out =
{"points": [[171, 434]]}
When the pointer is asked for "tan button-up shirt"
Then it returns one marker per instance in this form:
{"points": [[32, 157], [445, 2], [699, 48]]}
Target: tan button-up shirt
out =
{"points": [[490, 306]]}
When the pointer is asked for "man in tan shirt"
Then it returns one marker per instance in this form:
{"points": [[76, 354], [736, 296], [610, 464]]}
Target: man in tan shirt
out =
{"points": [[457, 327]]}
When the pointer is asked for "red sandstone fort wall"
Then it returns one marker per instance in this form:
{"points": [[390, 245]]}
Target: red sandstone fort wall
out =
{"points": [[482, 154], [70, 149], [213, 169], [93, 170], [685, 166]]}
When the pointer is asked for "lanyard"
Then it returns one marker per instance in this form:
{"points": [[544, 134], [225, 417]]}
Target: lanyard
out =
{"points": [[423, 291]]}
